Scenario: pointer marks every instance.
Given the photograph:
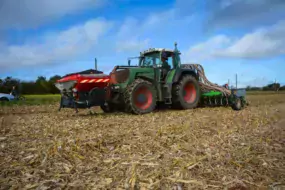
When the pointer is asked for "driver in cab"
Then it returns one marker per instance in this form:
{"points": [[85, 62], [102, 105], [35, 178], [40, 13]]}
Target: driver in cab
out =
{"points": [[165, 66]]}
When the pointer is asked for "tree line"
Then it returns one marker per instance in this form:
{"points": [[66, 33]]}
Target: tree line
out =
{"points": [[42, 85], [269, 87]]}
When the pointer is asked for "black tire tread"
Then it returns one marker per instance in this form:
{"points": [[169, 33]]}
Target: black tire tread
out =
{"points": [[129, 106], [176, 99]]}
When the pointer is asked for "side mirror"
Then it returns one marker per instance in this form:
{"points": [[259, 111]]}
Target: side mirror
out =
{"points": [[129, 62]]}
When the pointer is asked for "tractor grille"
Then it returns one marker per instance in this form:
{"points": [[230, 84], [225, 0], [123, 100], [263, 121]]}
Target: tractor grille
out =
{"points": [[120, 76]]}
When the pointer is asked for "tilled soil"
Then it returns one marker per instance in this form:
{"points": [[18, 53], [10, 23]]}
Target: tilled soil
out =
{"points": [[204, 148]]}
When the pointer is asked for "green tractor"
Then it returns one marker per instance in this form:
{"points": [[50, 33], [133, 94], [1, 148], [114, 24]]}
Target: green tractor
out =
{"points": [[159, 78]]}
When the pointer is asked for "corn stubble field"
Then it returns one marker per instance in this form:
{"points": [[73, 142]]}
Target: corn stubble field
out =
{"points": [[204, 148]]}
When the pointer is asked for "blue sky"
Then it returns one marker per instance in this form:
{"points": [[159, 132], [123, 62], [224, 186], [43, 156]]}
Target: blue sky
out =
{"points": [[51, 37]]}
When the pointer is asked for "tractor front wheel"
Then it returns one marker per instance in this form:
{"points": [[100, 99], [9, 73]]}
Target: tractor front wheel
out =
{"points": [[186, 93], [140, 97]]}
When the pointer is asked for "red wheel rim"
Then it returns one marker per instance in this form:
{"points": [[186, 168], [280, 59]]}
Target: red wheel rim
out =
{"points": [[143, 98], [189, 93]]}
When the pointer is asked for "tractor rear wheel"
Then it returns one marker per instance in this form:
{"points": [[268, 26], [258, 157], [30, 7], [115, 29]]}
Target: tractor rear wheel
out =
{"points": [[186, 93], [140, 97]]}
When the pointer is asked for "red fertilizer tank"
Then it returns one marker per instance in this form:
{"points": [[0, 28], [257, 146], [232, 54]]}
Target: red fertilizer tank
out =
{"points": [[84, 81], [83, 89]]}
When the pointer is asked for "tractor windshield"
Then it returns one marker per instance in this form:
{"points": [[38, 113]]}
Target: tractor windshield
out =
{"points": [[149, 60]]}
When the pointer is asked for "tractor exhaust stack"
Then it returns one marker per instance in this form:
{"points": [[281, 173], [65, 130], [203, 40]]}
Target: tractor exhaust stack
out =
{"points": [[95, 64]]}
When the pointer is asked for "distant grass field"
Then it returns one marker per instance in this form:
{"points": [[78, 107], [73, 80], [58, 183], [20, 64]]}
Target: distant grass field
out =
{"points": [[264, 92], [54, 98], [35, 100], [43, 96]]}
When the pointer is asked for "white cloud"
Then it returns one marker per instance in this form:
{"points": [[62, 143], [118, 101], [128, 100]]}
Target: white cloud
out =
{"points": [[262, 43], [206, 50], [134, 33], [257, 82], [32, 13], [234, 13], [245, 12], [136, 27], [131, 45], [55, 47]]}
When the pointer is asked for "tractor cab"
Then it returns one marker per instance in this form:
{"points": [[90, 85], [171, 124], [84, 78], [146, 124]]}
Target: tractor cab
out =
{"points": [[164, 60], [157, 57]]}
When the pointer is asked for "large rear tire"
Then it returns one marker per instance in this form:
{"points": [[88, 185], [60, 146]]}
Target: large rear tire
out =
{"points": [[186, 93], [140, 97]]}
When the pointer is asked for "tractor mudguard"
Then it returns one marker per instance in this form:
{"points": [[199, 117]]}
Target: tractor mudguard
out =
{"points": [[170, 76], [173, 76], [180, 72]]}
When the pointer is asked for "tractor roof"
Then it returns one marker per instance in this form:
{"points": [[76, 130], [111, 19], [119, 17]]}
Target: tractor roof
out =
{"points": [[152, 50]]}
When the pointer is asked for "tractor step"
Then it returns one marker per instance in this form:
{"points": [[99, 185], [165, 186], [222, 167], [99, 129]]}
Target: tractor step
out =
{"points": [[167, 94], [167, 101]]}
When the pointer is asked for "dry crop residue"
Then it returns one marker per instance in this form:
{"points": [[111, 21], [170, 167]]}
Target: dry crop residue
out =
{"points": [[205, 148]]}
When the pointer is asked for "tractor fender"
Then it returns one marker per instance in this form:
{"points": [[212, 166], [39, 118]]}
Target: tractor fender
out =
{"points": [[182, 72]]}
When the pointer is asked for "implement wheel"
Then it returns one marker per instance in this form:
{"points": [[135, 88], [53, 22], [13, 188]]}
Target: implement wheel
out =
{"points": [[237, 104], [109, 108], [140, 97], [186, 93]]}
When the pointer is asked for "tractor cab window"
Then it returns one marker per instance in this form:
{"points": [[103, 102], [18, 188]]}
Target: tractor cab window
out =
{"points": [[149, 60], [170, 62]]}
